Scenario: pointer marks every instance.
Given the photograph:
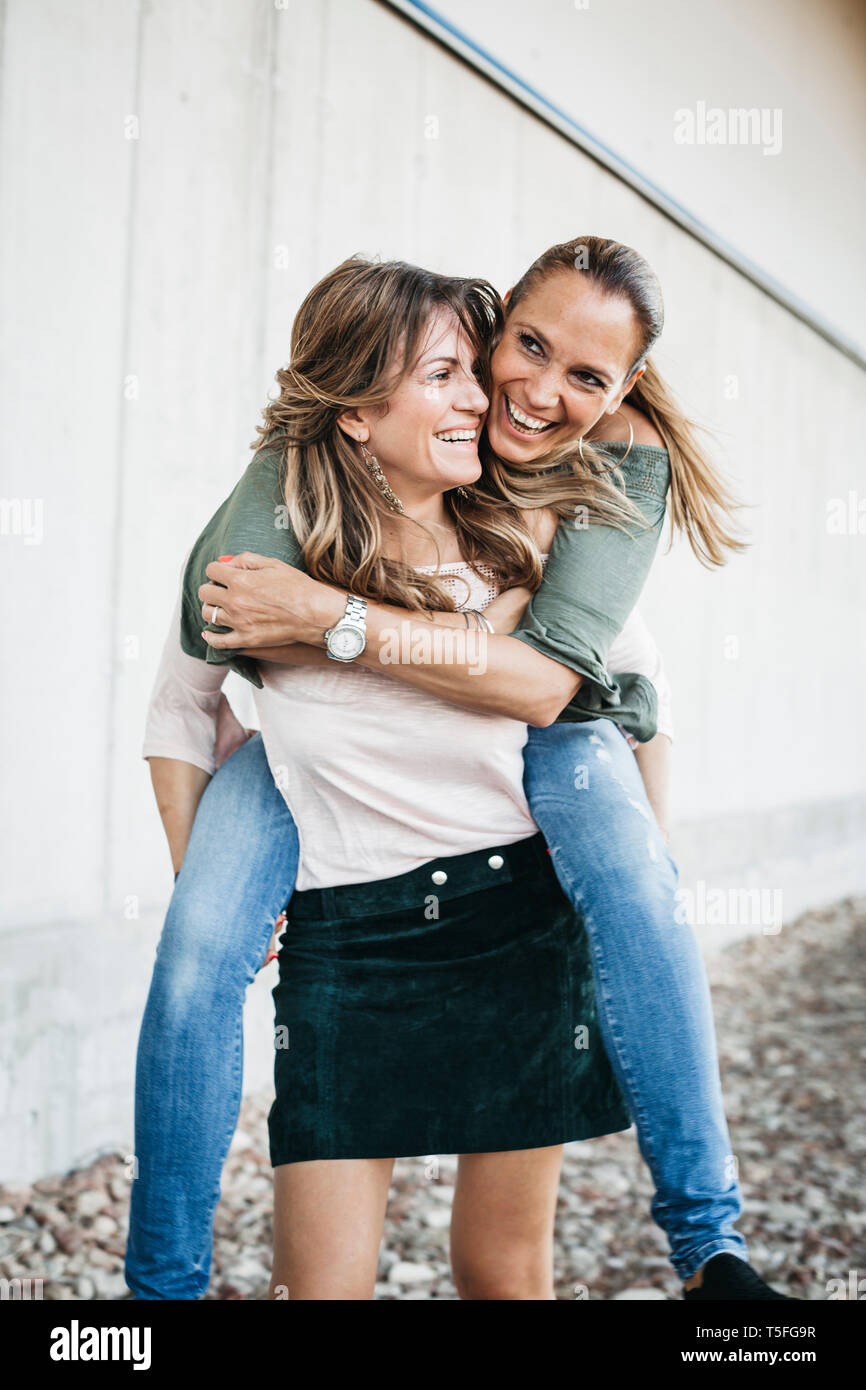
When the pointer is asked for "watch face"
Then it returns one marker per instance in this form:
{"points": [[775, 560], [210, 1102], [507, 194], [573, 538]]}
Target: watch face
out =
{"points": [[345, 643]]}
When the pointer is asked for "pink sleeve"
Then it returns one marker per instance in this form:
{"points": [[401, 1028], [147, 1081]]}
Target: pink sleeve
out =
{"points": [[184, 703]]}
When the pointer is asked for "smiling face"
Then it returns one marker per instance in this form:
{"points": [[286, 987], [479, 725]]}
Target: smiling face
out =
{"points": [[426, 440], [560, 366]]}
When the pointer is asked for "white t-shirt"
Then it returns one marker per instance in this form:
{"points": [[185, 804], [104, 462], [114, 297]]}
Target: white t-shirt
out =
{"points": [[380, 777]]}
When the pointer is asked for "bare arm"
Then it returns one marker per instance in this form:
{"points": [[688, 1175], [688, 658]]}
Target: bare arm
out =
{"points": [[480, 672], [503, 614], [654, 763], [472, 669], [492, 673], [178, 788]]}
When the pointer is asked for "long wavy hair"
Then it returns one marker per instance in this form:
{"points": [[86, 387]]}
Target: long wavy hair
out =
{"points": [[701, 502], [359, 330]]}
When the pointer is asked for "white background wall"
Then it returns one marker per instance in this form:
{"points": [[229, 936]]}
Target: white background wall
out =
{"points": [[149, 285], [623, 70]]}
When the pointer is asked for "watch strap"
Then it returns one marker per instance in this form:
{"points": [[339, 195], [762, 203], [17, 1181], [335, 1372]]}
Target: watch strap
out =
{"points": [[356, 611]]}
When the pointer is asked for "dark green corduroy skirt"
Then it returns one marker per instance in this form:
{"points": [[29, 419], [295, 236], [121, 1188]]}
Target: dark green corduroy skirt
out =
{"points": [[416, 1016]]}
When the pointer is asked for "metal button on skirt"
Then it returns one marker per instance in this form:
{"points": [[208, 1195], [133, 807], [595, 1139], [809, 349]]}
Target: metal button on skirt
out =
{"points": [[450, 1009]]}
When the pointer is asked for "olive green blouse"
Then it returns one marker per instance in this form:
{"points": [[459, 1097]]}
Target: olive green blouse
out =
{"points": [[593, 578]]}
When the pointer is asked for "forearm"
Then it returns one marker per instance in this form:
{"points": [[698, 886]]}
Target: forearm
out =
{"points": [[654, 762], [440, 653], [476, 670], [178, 788]]}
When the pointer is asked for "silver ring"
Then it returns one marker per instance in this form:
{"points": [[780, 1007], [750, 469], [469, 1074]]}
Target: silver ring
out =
{"points": [[214, 615]]}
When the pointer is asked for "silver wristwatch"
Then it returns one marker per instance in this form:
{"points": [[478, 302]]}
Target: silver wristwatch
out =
{"points": [[348, 638]]}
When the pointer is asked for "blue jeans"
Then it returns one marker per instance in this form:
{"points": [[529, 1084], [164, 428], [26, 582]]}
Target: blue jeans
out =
{"points": [[587, 797], [238, 874]]}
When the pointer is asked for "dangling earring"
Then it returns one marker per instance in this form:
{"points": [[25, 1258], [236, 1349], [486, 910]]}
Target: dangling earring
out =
{"points": [[619, 462], [461, 492], [379, 479]]}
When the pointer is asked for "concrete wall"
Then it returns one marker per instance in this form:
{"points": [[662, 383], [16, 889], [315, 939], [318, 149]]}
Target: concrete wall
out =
{"points": [[624, 69], [175, 176]]}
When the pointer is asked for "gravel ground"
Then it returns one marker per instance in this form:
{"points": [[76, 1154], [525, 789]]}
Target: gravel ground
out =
{"points": [[792, 1036]]}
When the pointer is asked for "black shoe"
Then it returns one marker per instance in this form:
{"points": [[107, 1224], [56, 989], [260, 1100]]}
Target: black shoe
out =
{"points": [[727, 1278]]}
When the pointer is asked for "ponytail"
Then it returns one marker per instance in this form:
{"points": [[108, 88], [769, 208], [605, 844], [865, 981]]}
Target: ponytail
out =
{"points": [[701, 502]]}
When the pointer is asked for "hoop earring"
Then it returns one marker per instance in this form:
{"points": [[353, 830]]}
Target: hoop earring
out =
{"points": [[619, 463], [375, 471]]}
